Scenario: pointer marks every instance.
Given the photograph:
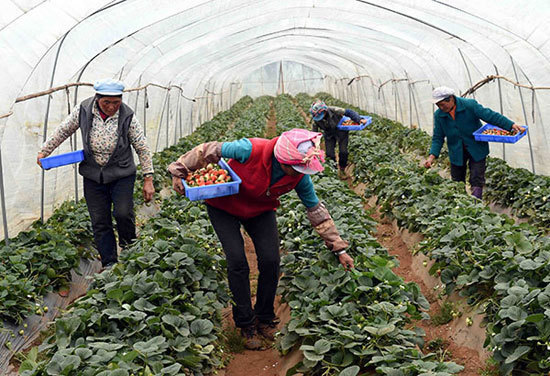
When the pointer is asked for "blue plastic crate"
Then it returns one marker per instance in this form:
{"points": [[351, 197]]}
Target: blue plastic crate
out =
{"points": [[494, 138], [214, 190], [357, 127], [62, 159]]}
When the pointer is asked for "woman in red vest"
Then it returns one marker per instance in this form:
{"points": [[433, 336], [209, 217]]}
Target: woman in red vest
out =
{"points": [[268, 169]]}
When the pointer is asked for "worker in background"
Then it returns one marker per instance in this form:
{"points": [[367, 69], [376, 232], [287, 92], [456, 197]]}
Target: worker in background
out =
{"points": [[456, 119], [109, 129], [268, 169], [327, 118]]}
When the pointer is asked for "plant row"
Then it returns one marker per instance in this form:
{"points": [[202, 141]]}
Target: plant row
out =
{"points": [[157, 312], [40, 260], [346, 322], [495, 263], [527, 194]]}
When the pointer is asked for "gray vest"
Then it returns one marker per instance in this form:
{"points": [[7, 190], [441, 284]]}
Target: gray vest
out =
{"points": [[121, 162]]}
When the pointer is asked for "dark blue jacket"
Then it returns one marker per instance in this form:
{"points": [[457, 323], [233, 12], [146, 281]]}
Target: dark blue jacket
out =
{"points": [[329, 122]]}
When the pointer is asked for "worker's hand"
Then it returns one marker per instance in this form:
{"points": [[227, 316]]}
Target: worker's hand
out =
{"points": [[177, 184], [428, 163], [518, 128], [363, 121], [346, 261], [148, 188], [39, 157]]}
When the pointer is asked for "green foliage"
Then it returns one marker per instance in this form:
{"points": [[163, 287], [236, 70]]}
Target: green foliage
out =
{"points": [[233, 340], [345, 321], [445, 315], [158, 308], [526, 193], [490, 260], [40, 260]]}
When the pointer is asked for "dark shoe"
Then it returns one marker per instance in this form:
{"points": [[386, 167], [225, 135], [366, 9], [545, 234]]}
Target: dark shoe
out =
{"points": [[251, 340], [268, 329], [477, 192], [342, 175], [109, 265]]}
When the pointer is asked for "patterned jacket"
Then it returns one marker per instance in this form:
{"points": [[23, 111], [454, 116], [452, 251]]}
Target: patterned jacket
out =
{"points": [[103, 137]]}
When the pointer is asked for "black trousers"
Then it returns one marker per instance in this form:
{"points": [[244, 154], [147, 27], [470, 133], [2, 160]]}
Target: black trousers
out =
{"points": [[100, 198], [342, 137], [263, 232], [477, 170]]}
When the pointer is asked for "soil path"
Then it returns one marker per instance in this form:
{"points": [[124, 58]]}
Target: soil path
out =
{"points": [[271, 126], [411, 270], [267, 362], [307, 118]]}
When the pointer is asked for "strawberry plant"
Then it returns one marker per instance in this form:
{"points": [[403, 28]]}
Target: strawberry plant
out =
{"points": [[338, 318], [40, 260], [346, 321], [474, 250], [156, 311]]}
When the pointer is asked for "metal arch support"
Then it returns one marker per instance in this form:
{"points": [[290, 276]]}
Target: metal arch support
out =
{"points": [[137, 95], [168, 118], [3, 202], [361, 89], [373, 101], [191, 118], [45, 129], [161, 118], [467, 71], [525, 117], [501, 110], [176, 126], [535, 101], [384, 102], [433, 110], [398, 101], [145, 106], [415, 105], [410, 99], [181, 120], [395, 99]]}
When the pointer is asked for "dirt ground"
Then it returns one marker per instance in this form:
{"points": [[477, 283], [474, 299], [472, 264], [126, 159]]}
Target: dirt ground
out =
{"points": [[267, 362], [271, 129], [270, 363], [462, 344], [473, 359]]}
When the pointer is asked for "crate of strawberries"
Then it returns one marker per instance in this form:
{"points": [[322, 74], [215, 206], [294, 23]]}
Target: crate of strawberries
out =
{"points": [[214, 180], [346, 124], [492, 133]]}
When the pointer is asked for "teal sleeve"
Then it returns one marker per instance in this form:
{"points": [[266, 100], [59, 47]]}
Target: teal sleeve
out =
{"points": [[239, 150], [438, 138], [306, 192], [492, 117]]}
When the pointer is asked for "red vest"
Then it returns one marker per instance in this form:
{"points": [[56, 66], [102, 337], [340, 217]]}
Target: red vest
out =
{"points": [[255, 195]]}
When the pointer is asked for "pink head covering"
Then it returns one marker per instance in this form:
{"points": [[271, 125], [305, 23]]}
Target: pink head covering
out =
{"points": [[300, 149]]}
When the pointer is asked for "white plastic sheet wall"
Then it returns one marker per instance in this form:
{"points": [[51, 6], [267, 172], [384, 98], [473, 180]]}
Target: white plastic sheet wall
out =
{"points": [[216, 51]]}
